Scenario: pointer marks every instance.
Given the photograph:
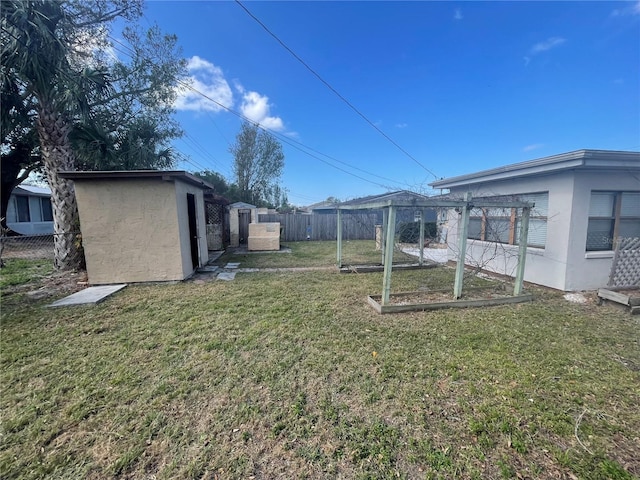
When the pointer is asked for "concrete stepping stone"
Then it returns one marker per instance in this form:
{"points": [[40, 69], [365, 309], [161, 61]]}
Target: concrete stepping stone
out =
{"points": [[227, 276], [88, 296], [232, 265]]}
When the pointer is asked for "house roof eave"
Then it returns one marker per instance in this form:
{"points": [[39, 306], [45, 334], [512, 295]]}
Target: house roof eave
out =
{"points": [[583, 159]]}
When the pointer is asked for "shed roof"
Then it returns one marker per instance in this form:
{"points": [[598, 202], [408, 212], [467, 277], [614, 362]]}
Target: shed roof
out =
{"points": [[578, 159], [165, 175]]}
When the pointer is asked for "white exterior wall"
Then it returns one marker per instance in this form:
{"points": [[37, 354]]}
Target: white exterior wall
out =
{"points": [[563, 263], [590, 270], [544, 266], [182, 189]]}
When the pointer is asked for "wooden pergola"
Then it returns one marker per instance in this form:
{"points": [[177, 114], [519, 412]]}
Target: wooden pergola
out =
{"points": [[463, 206]]}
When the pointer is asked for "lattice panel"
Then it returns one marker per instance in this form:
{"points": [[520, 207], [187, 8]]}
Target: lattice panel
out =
{"points": [[215, 214], [625, 270]]}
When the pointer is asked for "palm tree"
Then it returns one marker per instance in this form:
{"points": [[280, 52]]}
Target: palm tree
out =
{"points": [[35, 52]]}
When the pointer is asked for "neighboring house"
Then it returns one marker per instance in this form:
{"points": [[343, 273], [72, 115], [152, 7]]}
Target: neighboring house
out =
{"points": [[29, 211], [584, 200], [141, 225], [404, 215]]}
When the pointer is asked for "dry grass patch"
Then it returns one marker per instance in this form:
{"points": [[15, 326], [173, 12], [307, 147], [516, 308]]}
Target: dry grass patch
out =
{"points": [[294, 376]]}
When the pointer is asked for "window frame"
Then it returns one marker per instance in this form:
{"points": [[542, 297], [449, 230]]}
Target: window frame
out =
{"points": [[511, 215], [615, 218], [16, 204]]}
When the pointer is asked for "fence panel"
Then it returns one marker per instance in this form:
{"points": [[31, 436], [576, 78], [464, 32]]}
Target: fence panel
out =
{"points": [[296, 227], [27, 246], [625, 270]]}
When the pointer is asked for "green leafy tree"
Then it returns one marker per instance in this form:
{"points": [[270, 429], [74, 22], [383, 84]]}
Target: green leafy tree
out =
{"points": [[258, 164], [220, 186], [77, 100]]}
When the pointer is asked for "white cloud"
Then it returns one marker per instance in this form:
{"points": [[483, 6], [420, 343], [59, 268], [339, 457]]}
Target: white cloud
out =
{"points": [[206, 80], [534, 146], [256, 108], [627, 11], [457, 14], [548, 44], [402, 125]]}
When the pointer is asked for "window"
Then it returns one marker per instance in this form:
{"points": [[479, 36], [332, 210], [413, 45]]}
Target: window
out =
{"points": [[612, 215], [22, 208], [47, 210], [502, 225]]}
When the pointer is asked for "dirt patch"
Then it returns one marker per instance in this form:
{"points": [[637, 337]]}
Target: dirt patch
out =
{"points": [[54, 285]]}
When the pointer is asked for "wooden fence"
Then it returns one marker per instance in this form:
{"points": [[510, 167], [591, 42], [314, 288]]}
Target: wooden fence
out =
{"points": [[297, 227]]}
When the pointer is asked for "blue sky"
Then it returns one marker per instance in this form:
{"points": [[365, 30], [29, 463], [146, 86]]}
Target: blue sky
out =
{"points": [[459, 86]]}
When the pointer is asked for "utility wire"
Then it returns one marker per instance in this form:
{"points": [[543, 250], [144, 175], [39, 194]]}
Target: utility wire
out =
{"points": [[330, 87], [293, 143], [297, 145]]}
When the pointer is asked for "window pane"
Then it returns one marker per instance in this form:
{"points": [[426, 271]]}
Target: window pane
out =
{"points": [[537, 232], [630, 205], [601, 204], [541, 201], [497, 230], [22, 205], [629, 228], [475, 228], [47, 211], [599, 234]]}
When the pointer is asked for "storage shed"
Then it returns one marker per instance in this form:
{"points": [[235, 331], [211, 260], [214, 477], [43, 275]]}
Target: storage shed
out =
{"points": [[141, 226]]}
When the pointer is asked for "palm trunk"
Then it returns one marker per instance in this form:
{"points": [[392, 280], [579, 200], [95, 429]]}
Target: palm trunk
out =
{"points": [[57, 155]]}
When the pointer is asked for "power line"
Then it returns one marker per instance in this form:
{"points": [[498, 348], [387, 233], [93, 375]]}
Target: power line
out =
{"points": [[293, 143], [330, 87], [286, 140]]}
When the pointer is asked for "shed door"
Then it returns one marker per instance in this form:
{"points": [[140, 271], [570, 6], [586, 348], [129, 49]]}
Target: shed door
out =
{"points": [[244, 219], [193, 230]]}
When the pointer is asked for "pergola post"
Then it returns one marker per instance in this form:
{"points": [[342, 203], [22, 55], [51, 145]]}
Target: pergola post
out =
{"points": [[522, 250], [339, 238], [388, 257], [421, 257], [385, 222], [463, 230]]}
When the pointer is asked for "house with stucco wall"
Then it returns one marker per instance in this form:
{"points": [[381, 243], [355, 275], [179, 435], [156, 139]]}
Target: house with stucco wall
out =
{"points": [[584, 200]]}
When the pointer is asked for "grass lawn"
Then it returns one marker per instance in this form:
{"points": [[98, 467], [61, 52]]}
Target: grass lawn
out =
{"points": [[316, 254], [292, 375]]}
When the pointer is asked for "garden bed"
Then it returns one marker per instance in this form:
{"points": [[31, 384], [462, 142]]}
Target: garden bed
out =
{"points": [[443, 298], [627, 296]]}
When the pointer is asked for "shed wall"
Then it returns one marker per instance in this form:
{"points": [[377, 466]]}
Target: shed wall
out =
{"points": [[130, 230]]}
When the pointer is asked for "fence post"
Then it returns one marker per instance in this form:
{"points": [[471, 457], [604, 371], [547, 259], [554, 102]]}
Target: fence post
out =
{"points": [[388, 258], [522, 250], [339, 238], [385, 222], [463, 230], [421, 258]]}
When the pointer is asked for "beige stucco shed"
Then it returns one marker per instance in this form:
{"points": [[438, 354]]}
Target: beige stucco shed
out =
{"points": [[141, 226]]}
